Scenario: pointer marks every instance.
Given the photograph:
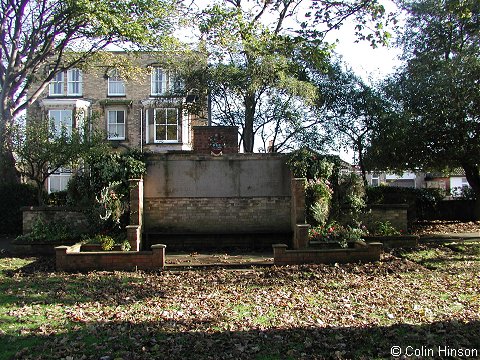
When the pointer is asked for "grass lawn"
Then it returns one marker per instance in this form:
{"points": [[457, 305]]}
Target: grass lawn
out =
{"points": [[418, 300]]}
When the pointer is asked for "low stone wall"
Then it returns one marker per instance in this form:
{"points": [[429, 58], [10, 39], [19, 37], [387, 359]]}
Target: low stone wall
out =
{"points": [[76, 219], [396, 214], [393, 242], [37, 249], [69, 258], [361, 252]]}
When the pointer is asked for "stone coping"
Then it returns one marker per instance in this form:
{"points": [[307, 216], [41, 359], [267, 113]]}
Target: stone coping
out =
{"points": [[172, 156], [360, 252]]}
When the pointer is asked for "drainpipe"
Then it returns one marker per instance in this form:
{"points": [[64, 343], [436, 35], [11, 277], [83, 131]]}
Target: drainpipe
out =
{"points": [[141, 129], [209, 107]]}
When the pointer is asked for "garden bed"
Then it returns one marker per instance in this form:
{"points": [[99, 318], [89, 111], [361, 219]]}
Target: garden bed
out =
{"points": [[25, 248], [72, 258], [357, 251]]}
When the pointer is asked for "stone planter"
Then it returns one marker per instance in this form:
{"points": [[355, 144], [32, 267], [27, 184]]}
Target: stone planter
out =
{"points": [[71, 258], [395, 241], [37, 249], [330, 245], [97, 247], [360, 251]]}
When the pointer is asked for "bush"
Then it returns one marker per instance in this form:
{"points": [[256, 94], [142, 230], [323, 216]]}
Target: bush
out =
{"points": [[348, 201], [12, 198], [54, 232], [58, 198], [318, 195], [104, 188], [341, 234], [385, 229], [106, 242]]}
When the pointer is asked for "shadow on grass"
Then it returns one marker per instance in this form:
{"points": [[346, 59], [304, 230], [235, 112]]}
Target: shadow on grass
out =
{"points": [[442, 256], [37, 283], [164, 340]]}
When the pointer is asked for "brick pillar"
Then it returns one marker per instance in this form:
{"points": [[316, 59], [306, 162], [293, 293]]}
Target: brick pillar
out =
{"points": [[300, 236], [136, 202], [134, 237], [298, 201], [134, 230], [299, 228], [61, 257], [279, 254], [158, 256]]}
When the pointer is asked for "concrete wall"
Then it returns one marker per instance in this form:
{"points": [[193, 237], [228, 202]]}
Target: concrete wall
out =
{"points": [[237, 193]]}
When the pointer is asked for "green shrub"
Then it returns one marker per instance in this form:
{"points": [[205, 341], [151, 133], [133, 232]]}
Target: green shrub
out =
{"points": [[125, 245], [58, 198], [106, 242], [318, 195], [348, 200], [12, 198], [53, 232], [104, 189], [385, 229], [336, 232]]}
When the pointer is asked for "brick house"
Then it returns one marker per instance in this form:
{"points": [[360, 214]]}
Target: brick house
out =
{"points": [[149, 111]]}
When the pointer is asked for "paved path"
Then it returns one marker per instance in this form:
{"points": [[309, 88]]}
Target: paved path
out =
{"points": [[218, 259]]}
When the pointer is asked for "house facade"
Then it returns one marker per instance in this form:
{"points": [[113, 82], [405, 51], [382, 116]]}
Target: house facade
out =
{"points": [[148, 110], [452, 183]]}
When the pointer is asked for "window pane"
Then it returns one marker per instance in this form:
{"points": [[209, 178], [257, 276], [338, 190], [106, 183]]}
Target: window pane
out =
{"points": [[120, 117], [171, 132], [116, 124], [161, 132], [172, 116], [74, 82], [62, 119], [158, 80], [58, 182], [116, 85], [56, 85]]}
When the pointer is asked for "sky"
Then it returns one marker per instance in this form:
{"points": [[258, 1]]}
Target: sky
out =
{"points": [[369, 63]]}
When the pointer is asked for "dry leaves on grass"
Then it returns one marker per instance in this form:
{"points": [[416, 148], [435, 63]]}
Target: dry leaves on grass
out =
{"points": [[445, 227], [323, 311]]}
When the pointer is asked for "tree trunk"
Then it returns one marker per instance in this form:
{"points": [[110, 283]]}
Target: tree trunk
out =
{"points": [[361, 163], [248, 135], [472, 174], [8, 171]]}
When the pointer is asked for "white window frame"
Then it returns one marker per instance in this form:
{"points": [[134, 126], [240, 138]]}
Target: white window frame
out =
{"points": [[114, 136], [164, 84], [64, 115], [376, 178], [116, 85], [74, 82], [165, 124], [63, 175], [57, 84]]}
